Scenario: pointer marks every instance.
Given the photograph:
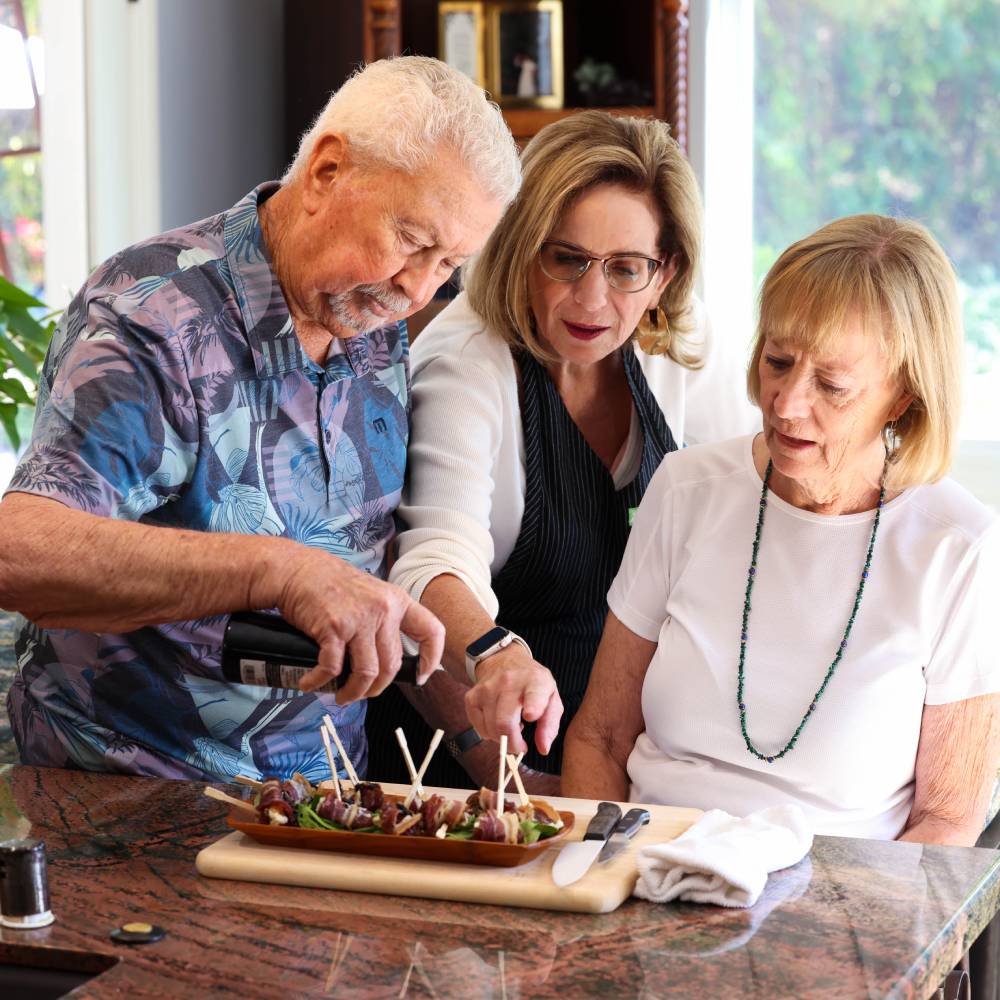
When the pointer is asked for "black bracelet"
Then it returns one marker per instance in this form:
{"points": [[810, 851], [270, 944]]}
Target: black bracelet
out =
{"points": [[463, 741]]}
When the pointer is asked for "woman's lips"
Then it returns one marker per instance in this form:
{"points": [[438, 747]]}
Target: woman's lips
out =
{"points": [[583, 331], [790, 442]]}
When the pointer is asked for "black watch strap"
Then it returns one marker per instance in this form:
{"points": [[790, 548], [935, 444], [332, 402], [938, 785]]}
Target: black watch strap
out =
{"points": [[463, 741]]}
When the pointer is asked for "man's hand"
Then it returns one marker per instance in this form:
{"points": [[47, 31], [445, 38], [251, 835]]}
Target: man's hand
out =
{"points": [[344, 608], [511, 686]]}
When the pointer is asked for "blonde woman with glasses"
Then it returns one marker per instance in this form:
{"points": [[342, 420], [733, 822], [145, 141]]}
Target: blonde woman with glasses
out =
{"points": [[544, 399]]}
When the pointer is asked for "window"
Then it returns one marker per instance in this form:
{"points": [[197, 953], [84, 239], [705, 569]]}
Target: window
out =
{"points": [[890, 107], [22, 247]]}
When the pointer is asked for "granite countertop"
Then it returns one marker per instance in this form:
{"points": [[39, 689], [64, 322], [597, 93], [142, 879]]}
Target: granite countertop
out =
{"points": [[855, 919]]}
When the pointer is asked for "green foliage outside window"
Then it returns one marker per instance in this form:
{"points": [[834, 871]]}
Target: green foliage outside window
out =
{"points": [[893, 107]]}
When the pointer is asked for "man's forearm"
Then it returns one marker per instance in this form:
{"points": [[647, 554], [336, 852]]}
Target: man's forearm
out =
{"points": [[64, 568]]}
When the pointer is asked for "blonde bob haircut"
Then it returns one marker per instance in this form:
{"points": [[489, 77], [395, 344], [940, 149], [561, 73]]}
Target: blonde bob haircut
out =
{"points": [[892, 277], [561, 162]]}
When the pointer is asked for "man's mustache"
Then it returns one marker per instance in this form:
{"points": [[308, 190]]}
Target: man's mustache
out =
{"points": [[386, 297]]}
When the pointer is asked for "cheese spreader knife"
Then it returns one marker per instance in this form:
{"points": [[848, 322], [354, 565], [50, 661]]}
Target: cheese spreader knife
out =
{"points": [[628, 826], [574, 859]]}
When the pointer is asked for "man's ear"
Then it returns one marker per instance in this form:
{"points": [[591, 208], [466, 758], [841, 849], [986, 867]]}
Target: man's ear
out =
{"points": [[327, 164]]}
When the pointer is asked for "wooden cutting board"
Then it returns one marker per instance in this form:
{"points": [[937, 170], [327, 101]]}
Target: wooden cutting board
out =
{"points": [[604, 888]]}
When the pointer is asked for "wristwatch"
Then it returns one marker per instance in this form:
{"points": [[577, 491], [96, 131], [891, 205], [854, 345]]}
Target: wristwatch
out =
{"points": [[463, 741], [492, 642]]}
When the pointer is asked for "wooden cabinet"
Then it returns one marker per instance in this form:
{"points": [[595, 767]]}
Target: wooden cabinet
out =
{"points": [[645, 41]]}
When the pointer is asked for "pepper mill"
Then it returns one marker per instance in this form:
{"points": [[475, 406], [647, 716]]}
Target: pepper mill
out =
{"points": [[24, 884]]}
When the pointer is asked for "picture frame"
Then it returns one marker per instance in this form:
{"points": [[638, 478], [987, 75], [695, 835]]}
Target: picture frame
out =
{"points": [[526, 53], [462, 36]]}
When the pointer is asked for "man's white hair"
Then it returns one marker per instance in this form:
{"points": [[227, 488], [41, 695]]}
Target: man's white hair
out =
{"points": [[400, 112]]}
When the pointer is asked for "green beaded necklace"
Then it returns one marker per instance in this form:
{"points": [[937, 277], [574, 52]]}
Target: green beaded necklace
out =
{"points": [[744, 632]]}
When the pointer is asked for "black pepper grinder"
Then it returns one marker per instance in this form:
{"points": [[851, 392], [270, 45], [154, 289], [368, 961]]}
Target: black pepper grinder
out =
{"points": [[24, 884]]}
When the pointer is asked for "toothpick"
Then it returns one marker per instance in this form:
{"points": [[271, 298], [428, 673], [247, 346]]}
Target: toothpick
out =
{"points": [[348, 766], [501, 783], [214, 793], [242, 779], [435, 742], [329, 757], [401, 740], [514, 763]]}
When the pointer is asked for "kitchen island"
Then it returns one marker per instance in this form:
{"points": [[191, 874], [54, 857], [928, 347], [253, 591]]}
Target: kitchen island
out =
{"points": [[855, 919]]}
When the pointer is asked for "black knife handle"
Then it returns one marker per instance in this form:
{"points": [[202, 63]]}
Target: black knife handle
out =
{"points": [[604, 822], [631, 821]]}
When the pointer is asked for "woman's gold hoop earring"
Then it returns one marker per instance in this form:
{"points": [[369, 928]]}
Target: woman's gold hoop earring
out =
{"points": [[653, 332]]}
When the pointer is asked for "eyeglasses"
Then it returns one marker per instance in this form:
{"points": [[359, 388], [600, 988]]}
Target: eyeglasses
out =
{"points": [[625, 272]]}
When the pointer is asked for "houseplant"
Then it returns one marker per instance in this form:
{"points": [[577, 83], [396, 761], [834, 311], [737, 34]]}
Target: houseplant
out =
{"points": [[23, 342]]}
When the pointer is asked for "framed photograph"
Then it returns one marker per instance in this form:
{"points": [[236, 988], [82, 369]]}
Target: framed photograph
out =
{"points": [[526, 57], [461, 38]]}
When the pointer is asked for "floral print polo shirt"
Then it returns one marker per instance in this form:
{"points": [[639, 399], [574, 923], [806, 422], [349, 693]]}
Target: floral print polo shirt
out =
{"points": [[176, 393]]}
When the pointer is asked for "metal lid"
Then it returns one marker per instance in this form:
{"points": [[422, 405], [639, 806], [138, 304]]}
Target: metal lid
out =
{"points": [[27, 844]]}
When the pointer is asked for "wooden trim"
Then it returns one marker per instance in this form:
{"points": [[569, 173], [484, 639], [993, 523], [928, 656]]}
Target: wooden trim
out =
{"points": [[672, 65], [23, 151], [382, 29], [382, 38], [525, 122]]}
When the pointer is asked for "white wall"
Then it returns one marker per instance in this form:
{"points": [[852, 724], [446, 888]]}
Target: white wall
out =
{"points": [[220, 103], [157, 113]]}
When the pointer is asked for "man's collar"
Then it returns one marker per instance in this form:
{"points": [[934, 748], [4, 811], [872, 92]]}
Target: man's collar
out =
{"points": [[276, 348]]}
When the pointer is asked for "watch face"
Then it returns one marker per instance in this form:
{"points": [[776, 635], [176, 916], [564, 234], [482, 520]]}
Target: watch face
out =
{"points": [[484, 642]]}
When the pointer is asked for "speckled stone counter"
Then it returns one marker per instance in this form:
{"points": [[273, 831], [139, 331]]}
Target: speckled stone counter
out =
{"points": [[855, 919]]}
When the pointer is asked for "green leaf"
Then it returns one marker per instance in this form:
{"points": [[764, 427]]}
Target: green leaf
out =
{"points": [[16, 296], [15, 390], [22, 362], [8, 417], [20, 320]]}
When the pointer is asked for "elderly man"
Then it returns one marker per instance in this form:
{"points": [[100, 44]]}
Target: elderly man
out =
{"points": [[222, 425]]}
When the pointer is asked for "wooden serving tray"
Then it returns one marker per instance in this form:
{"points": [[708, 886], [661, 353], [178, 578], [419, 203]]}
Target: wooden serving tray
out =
{"points": [[601, 890], [419, 848]]}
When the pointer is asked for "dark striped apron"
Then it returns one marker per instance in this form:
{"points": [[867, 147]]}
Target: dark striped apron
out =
{"points": [[553, 588]]}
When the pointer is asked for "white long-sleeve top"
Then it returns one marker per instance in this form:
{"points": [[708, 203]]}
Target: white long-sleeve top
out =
{"points": [[464, 496]]}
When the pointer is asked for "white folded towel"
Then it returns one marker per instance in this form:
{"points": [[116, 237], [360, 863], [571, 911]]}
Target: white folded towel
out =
{"points": [[723, 859]]}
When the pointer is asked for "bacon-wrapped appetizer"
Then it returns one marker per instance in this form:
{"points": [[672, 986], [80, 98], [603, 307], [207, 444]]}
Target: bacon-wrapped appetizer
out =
{"points": [[539, 811], [484, 799], [350, 815], [502, 828], [364, 808], [443, 815], [272, 804], [369, 795]]}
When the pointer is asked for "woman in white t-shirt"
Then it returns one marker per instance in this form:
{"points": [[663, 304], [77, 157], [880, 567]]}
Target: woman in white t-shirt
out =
{"points": [[803, 616]]}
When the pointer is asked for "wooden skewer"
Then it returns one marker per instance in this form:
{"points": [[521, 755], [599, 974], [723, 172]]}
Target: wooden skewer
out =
{"points": [[214, 793], [514, 763], [330, 760], [501, 783], [404, 747], [348, 766], [242, 779], [435, 742]]}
